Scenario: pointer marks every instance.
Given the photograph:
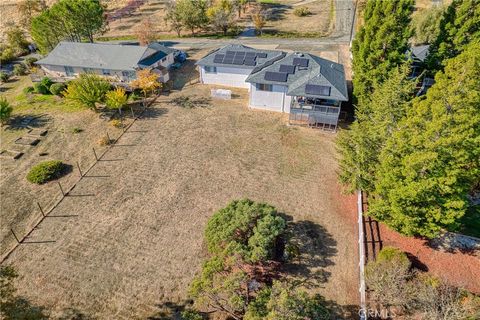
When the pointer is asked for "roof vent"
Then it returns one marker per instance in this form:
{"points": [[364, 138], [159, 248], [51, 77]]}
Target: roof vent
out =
{"points": [[299, 54]]}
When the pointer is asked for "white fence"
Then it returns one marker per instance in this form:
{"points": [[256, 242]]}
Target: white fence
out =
{"points": [[361, 252]]}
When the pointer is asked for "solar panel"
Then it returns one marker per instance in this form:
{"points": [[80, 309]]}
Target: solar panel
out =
{"points": [[250, 54], [231, 53], [218, 58], [301, 62], [287, 68], [261, 54], [250, 62], [227, 60], [240, 54], [276, 76], [317, 90], [238, 61]]}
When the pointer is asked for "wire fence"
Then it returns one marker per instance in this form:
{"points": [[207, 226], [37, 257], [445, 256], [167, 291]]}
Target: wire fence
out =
{"points": [[64, 192]]}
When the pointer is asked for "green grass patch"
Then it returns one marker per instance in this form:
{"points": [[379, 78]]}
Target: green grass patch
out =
{"points": [[270, 2], [46, 171], [39, 103], [470, 222]]}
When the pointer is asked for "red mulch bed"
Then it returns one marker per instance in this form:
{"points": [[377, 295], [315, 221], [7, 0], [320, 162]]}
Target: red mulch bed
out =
{"points": [[457, 268]]}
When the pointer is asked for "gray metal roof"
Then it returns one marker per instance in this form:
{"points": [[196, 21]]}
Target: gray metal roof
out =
{"points": [[100, 55], [208, 59], [420, 52], [319, 72]]}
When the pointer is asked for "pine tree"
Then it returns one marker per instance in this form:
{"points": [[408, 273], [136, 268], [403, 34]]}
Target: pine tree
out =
{"points": [[380, 44], [459, 26], [360, 146], [432, 161]]}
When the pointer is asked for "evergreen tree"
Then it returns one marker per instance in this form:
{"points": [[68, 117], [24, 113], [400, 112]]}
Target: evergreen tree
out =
{"points": [[459, 26], [432, 162], [426, 24], [359, 146], [380, 44], [71, 20]]}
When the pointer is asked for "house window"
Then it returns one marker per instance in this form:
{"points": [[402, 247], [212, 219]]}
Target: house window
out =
{"points": [[129, 75], [69, 71], [88, 70], [106, 72], [264, 87], [210, 69], [164, 59]]}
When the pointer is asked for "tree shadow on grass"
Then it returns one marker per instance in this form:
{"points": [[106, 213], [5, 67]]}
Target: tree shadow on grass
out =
{"points": [[172, 310], [154, 113], [316, 247], [19, 122], [21, 308], [276, 12], [74, 314]]}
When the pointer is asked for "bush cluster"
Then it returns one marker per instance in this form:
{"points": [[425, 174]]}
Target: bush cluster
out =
{"points": [[19, 69], [57, 89], [4, 77], [40, 88], [29, 89], [30, 61], [46, 171], [302, 12]]}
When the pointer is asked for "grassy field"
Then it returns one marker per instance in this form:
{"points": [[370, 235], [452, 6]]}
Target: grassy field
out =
{"points": [[282, 22], [127, 241], [72, 132]]}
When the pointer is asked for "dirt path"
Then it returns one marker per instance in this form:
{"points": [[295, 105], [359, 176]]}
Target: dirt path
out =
{"points": [[459, 269], [129, 238]]}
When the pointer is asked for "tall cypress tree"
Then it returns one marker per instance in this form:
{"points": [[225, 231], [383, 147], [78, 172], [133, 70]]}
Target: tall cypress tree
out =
{"points": [[380, 44], [432, 161], [360, 146], [459, 26]]}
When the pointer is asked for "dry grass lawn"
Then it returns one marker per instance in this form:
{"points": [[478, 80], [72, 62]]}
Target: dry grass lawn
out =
{"points": [[281, 17], [128, 240]]}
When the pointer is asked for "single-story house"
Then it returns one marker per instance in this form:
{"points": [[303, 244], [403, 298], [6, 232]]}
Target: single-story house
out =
{"points": [[115, 61], [418, 56], [309, 88]]}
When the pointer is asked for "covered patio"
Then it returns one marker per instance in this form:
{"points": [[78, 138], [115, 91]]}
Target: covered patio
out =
{"points": [[314, 112]]}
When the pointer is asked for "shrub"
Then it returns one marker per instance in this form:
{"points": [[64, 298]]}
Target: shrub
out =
{"points": [[116, 99], [7, 55], [46, 81], [191, 315], [29, 89], [116, 123], [87, 90], [5, 110], [105, 141], [4, 76], [19, 69], [302, 12], [46, 171], [57, 89], [40, 88], [77, 130], [30, 61]]}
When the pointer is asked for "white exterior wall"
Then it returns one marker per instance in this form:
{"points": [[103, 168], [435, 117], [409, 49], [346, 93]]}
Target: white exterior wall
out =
{"points": [[229, 77], [275, 100], [169, 60], [59, 71]]}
